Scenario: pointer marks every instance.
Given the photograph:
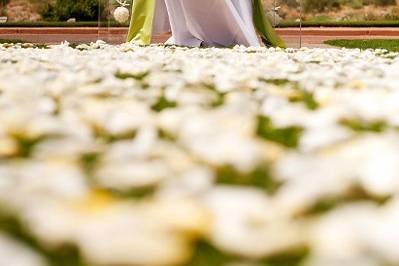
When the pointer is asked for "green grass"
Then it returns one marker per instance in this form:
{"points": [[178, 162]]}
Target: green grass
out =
{"points": [[390, 45], [11, 41], [31, 45], [326, 23], [288, 136]]}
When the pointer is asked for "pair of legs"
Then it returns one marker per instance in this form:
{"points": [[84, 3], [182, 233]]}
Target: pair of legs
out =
{"points": [[211, 22]]}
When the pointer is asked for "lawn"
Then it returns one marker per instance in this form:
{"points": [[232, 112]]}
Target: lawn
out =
{"points": [[4, 41], [388, 44], [24, 44], [329, 23]]}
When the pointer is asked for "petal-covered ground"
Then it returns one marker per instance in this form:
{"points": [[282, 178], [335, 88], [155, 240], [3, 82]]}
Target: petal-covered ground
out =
{"points": [[168, 156]]}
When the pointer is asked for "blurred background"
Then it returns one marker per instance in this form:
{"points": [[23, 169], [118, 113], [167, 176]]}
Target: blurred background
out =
{"points": [[324, 11], [315, 11]]}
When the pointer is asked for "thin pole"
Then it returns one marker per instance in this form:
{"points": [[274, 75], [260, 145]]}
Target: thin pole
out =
{"points": [[109, 8], [300, 22], [99, 20], [275, 13]]}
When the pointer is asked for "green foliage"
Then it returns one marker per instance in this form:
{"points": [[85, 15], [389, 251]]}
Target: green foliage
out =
{"points": [[289, 136], [305, 97], [137, 76], [61, 256], [359, 125], [4, 2], [10, 41], [324, 5], [54, 24], [162, 104], [354, 194], [352, 3], [379, 2], [349, 23], [259, 177], [390, 45], [207, 255], [393, 15], [82, 10], [3, 10], [321, 5]]}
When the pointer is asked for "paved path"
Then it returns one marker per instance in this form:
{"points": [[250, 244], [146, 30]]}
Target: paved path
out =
{"points": [[311, 37]]}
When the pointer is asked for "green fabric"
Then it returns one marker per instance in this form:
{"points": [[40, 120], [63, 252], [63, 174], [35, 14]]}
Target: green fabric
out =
{"points": [[140, 30], [264, 27], [141, 23]]}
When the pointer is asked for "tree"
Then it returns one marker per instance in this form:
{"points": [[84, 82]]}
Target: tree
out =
{"points": [[82, 10], [3, 4]]}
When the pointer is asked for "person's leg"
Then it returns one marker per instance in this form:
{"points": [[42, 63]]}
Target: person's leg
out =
{"points": [[181, 35], [244, 10], [141, 24], [161, 18], [222, 22]]}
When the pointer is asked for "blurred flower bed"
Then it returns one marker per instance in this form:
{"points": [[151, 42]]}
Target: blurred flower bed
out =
{"points": [[167, 156]]}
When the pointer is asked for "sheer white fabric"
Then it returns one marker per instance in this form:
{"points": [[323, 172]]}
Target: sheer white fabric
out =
{"points": [[161, 22], [211, 22]]}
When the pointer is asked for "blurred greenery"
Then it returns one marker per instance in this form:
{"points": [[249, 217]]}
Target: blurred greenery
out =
{"points": [[207, 255], [259, 177], [325, 22], [11, 41], [288, 136], [318, 12], [81, 10], [60, 256], [29, 24], [3, 10], [323, 5], [360, 125], [24, 45], [390, 45], [355, 194]]}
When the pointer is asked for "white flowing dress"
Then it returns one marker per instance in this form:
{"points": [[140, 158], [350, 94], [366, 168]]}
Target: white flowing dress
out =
{"points": [[208, 22], [161, 21]]}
